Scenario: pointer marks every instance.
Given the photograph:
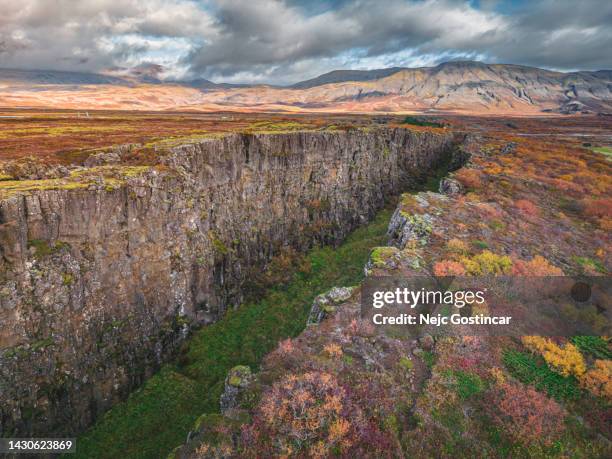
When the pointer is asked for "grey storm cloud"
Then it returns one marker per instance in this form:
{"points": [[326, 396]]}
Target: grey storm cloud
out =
{"points": [[282, 41]]}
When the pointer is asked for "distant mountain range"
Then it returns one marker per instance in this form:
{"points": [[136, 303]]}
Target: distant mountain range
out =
{"points": [[339, 76], [456, 87], [54, 77]]}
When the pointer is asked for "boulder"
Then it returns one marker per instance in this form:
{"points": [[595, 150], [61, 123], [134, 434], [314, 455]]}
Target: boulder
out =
{"points": [[451, 187], [324, 304], [101, 159]]}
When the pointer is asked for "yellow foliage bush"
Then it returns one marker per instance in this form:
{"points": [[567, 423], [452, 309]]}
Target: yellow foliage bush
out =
{"points": [[332, 350], [487, 263], [567, 360], [598, 380], [457, 246], [498, 375], [493, 169]]}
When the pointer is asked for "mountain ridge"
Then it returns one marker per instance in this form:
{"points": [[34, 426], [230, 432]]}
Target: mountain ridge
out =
{"points": [[45, 76], [455, 86]]}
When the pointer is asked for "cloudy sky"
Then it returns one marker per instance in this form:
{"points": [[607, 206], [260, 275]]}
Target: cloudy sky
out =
{"points": [[284, 41]]}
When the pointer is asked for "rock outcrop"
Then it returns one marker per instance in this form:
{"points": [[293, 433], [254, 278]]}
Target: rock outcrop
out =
{"points": [[451, 186], [99, 284], [236, 381], [325, 304]]}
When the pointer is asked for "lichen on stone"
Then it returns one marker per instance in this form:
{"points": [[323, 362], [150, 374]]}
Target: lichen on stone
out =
{"points": [[380, 256]]}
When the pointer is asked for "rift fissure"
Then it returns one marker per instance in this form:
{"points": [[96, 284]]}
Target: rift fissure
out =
{"points": [[104, 284]]}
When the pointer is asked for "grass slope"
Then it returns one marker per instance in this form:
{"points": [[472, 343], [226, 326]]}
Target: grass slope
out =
{"points": [[157, 417]]}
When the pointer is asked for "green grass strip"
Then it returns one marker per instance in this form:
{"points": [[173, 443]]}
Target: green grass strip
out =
{"points": [[532, 370], [594, 345]]}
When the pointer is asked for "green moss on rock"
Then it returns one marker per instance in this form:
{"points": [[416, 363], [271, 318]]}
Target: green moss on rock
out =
{"points": [[406, 363], [380, 255], [239, 375]]}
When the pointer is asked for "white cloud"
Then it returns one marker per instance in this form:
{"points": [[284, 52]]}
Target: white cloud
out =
{"points": [[278, 42], [94, 34]]}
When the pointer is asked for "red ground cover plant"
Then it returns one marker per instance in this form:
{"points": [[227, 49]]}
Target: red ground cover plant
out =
{"points": [[599, 208], [538, 266], [524, 414], [448, 268], [469, 178], [527, 207]]}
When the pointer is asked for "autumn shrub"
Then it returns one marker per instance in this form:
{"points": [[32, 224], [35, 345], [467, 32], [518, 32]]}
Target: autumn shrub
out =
{"points": [[497, 374], [564, 185], [448, 268], [469, 178], [598, 380], [332, 350], [538, 266], [287, 355], [487, 263], [597, 207], [494, 169], [457, 246], [524, 414], [307, 414], [527, 207], [208, 451], [567, 360], [605, 223]]}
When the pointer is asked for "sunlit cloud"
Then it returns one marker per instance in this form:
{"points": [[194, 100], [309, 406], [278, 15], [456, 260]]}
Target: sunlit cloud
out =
{"points": [[284, 41]]}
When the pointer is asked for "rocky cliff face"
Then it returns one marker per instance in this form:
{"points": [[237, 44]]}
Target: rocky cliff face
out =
{"points": [[99, 284]]}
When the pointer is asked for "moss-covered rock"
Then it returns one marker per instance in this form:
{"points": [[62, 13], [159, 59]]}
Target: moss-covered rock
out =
{"points": [[236, 382], [325, 304], [239, 376]]}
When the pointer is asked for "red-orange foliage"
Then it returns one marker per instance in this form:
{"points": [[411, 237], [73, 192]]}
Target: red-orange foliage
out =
{"points": [[527, 207], [564, 185], [448, 268], [539, 266], [469, 178], [332, 350], [597, 207], [525, 414], [599, 379]]}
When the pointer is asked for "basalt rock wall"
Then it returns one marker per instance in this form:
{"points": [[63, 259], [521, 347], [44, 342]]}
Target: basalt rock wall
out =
{"points": [[99, 285]]}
